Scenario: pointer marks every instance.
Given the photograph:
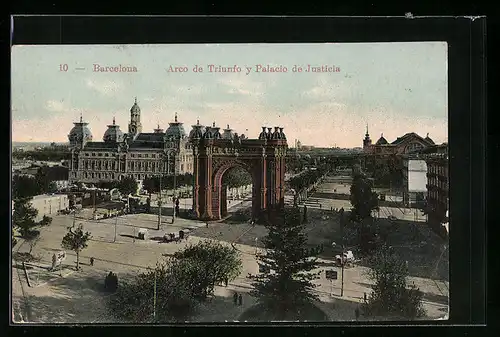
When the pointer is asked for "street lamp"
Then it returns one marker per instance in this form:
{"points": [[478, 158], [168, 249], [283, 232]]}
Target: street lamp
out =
{"points": [[342, 262]]}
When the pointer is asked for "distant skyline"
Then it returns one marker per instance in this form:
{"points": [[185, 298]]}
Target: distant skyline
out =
{"points": [[394, 88]]}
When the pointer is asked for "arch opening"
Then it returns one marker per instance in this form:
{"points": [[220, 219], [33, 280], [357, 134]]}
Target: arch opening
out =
{"points": [[232, 184], [236, 185]]}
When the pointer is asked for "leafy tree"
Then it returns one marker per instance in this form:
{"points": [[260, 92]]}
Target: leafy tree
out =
{"points": [[236, 177], [46, 220], [76, 240], [24, 216], [363, 199], [217, 262], [289, 288], [44, 155], [171, 282], [42, 180], [381, 175], [151, 185], [107, 184], [391, 295], [127, 185], [52, 187], [24, 187]]}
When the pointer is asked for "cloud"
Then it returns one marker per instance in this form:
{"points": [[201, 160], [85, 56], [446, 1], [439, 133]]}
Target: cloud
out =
{"points": [[241, 85], [55, 106], [107, 88], [62, 107]]}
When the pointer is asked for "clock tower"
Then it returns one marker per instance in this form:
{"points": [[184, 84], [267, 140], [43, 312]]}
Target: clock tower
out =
{"points": [[135, 126]]}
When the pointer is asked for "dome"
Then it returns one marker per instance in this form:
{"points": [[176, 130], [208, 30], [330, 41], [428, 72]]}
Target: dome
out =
{"points": [[228, 133], [282, 134], [197, 131], [215, 132], [208, 133], [135, 108], [263, 134], [113, 133], [382, 140], [175, 130], [276, 133], [80, 132]]}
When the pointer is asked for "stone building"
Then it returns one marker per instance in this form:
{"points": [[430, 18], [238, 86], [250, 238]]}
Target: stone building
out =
{"points": [[134, 154], [436, 158], [408, 143], [49, 204]]}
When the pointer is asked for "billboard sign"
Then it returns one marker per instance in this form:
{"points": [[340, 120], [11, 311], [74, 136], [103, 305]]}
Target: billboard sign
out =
{"points": [[417, 176]]}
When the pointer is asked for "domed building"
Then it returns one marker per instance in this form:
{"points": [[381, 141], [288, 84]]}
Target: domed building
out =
{"points": [[135, 154], [113, 133], [79, 134], [175, 130], [408, 143], [382, 140]]}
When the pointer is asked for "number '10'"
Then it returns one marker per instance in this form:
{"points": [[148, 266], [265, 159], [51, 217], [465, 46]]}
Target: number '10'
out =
{"points": [[63, 67]]}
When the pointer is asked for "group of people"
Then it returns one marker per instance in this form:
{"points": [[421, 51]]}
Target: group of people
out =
{"points": [[237, 299]]}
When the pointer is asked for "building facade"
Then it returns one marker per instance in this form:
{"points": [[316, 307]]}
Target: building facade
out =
{"points": [[408, 143], [49, 204], [437, 183], [134, 154]]}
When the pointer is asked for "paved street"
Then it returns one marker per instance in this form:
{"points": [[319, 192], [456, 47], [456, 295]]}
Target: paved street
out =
{"points": [[79, 297]]}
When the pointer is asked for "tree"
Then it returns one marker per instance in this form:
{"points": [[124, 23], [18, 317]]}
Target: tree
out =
{"points": [[24, 187], [24, 219], [289, 288], [76, 240], [391, 295], [42, 180], [46, 220], [217, 262], [128, 185], [160, 295], [363, 199], [151, 185], [24, 216], [236, 177]]}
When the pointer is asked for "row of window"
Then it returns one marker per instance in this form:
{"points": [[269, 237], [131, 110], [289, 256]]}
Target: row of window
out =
{"points": [[438, 169]]}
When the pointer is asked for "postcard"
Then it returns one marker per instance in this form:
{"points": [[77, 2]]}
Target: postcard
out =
{"points": [[229, 182]]}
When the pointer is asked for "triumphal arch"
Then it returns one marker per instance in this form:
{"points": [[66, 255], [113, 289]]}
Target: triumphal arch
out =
{"points": [[215, 153]]}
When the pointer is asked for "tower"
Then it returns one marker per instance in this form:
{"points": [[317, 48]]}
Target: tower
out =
{"points": [[367, 142], [135, 126]]}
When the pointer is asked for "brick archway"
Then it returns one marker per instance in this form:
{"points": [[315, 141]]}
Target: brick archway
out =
{"points": [[264, 159]]}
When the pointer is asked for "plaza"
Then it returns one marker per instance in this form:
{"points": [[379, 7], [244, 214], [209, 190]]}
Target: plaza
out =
{"points": [[78, 296]]}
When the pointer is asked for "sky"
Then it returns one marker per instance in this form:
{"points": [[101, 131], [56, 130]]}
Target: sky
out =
{"points": [[394, 88]]}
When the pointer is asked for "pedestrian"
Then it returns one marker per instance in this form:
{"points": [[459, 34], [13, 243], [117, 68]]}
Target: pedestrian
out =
{"points": [[240, 300], [356, 313], [91, 261], [364, 297], [226, 281], [235, 298]]}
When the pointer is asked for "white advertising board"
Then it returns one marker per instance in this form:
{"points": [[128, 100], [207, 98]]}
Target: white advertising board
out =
{"points": [[417, 176]]}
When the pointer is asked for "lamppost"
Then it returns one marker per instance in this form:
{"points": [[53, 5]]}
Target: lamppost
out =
{"points": [[342, 259], [116, 223]]}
